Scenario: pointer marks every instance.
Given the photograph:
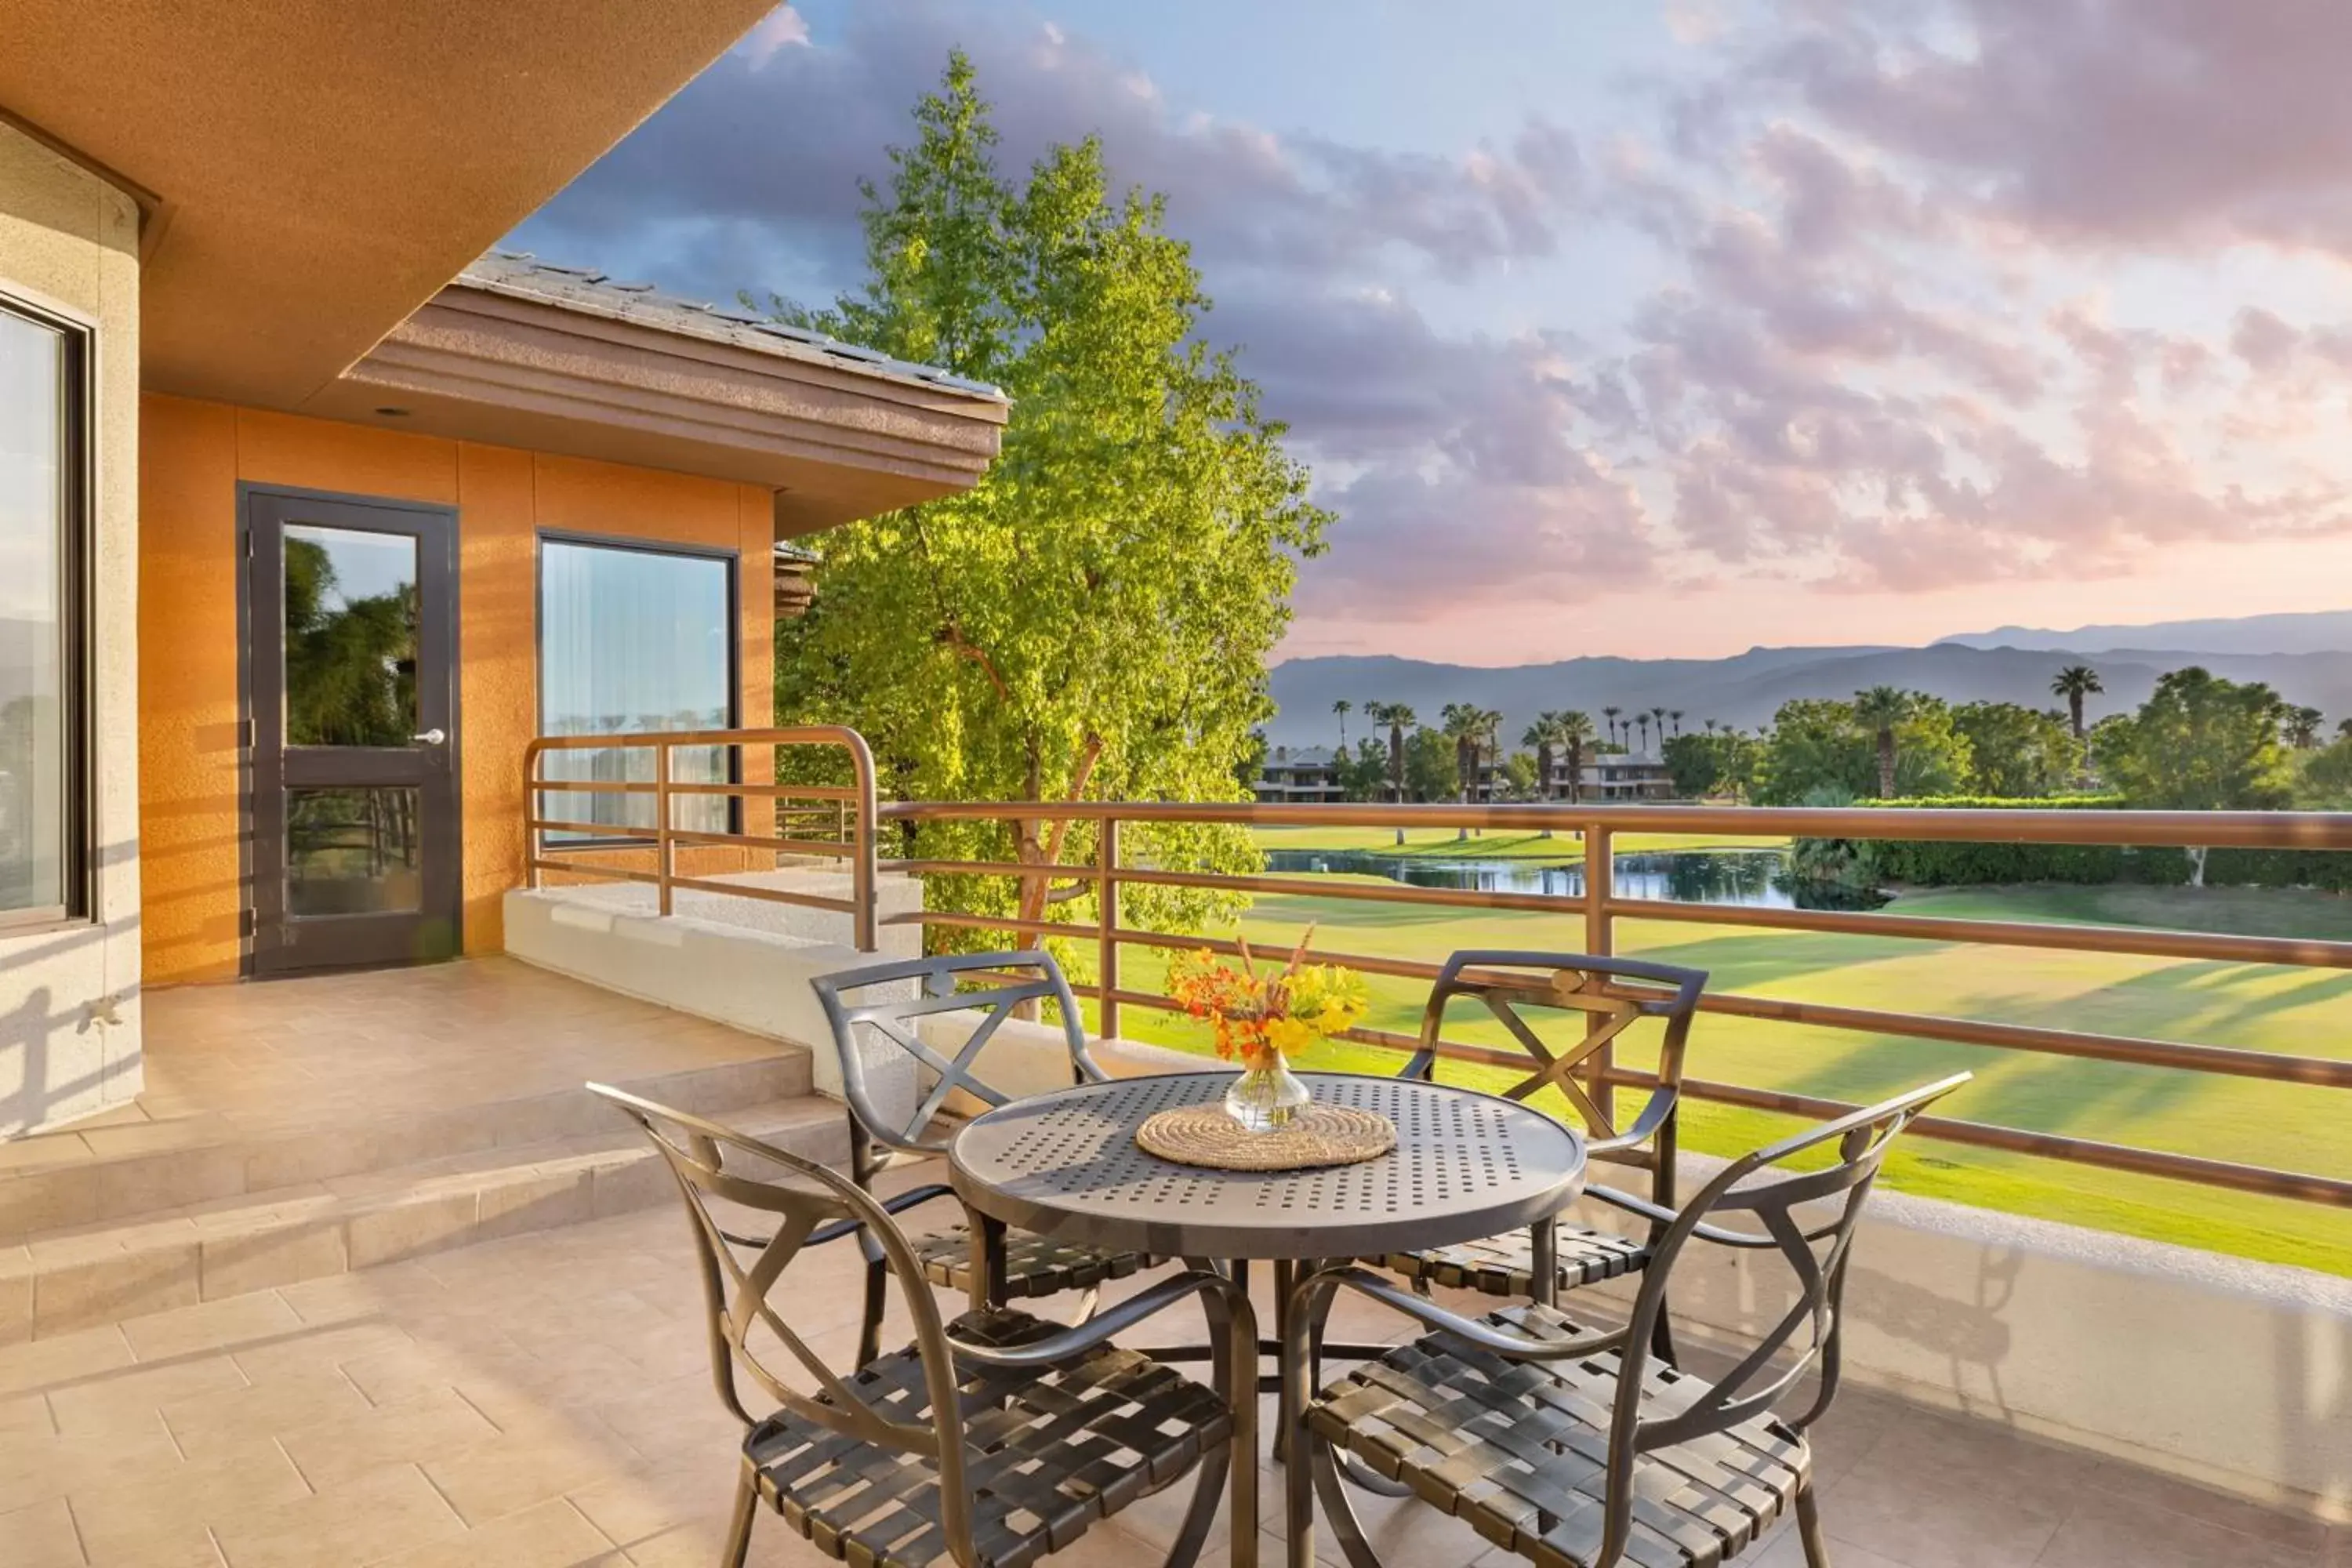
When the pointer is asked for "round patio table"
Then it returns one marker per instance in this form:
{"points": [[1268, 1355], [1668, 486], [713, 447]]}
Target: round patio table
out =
{"points": [[1065, 1164]]}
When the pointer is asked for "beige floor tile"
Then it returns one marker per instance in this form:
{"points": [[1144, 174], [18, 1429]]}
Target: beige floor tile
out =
{"points": [[309, 1345], [638, 1506], [380, 1516], [212, 1325], [163, 1517], [340, 1449], [528, 1465], [552, 1535], [271, 1252], [2107, 1531], [42, 1536], [131, 1395], [37, 1466], [107, 1290], [231, 1420], [61, 1360]]}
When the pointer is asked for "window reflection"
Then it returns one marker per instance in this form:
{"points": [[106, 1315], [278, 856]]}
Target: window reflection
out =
{"points": [[351, 851], [633, 641], [34, 435], [351, 637]]}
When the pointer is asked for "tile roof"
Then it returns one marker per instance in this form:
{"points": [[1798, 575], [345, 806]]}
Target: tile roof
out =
{"points": [[522, 276]]}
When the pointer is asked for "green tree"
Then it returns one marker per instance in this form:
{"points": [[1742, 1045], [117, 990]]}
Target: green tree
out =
{"points": [[1343, 708], [1882, 711], [2200, 743], [1610, 714], [1691, 763], [2015, 752], [2074, 683], [1364, 771], [2302, 727], [1817, 745], [1092, 618], [1432, 767], [2326, 782]]}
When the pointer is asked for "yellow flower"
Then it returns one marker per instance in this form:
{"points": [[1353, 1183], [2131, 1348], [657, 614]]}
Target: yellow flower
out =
{"points": [[1289, 1036]]}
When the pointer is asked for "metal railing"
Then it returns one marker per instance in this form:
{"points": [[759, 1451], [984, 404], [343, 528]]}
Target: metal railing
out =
{"points": [[830, 821], [1601, 906]]}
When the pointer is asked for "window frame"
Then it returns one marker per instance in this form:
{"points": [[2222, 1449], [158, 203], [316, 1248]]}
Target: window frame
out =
{"points": [[78, 473], [727, 556]]}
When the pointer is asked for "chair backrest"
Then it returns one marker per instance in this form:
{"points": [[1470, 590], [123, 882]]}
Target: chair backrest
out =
{"points": [[731, 1184], [1007, 981], [1609, 996], [1808, 1218]]}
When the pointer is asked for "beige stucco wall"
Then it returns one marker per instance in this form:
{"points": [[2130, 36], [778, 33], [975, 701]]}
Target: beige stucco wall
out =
{"points": [[69, 994]]}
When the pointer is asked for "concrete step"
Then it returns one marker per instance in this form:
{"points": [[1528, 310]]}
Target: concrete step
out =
{"points": [[62, 1278], [48, 1183]]}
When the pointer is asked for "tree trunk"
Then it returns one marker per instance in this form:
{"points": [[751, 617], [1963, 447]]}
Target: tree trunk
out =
{"points": [[1886, 764], [2196, 865]]}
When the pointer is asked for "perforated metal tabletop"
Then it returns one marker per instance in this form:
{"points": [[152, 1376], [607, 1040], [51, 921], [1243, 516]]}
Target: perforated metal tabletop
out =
{"points": [[1465, 1166]]}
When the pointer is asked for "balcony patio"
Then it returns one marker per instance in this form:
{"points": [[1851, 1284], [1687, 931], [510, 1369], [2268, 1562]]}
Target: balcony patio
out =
{"points": [[366, 1278]]}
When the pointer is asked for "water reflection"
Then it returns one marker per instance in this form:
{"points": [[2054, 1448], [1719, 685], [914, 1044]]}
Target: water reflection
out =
{"points": [[1752, 877]]}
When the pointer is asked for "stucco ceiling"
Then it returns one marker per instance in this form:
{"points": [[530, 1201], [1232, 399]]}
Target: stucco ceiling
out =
{"points": [[322, 168]]}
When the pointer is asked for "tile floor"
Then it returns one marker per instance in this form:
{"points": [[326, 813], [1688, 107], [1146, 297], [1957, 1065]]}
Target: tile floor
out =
{"points": [[545, 1401]]}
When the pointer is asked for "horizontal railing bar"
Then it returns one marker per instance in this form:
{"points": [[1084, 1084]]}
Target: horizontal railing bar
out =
{"points": [[610, 873], [831, 847], [593, 786], [1392, 893], [2208, 830], [749, 790], [2323, 1071], [2306, 952], [997, 869], [607, 831], [2258, 1179], [988, 923], [791, 735]]}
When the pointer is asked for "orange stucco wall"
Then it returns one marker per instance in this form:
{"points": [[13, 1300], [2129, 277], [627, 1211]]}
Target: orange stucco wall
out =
{"points": [[191, 457]]}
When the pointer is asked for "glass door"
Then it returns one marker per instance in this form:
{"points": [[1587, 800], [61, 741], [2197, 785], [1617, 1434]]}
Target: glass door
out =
{"points": [[353, 696]]}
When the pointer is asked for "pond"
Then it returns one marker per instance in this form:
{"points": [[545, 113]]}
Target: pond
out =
{"points": [[1752, 877]]}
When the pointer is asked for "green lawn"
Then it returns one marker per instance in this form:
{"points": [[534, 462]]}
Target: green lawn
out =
{"points": [[2257, 1007], [1446, 843]]}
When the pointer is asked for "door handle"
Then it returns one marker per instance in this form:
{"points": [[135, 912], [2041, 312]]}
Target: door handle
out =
{"points": [[431, 737]]}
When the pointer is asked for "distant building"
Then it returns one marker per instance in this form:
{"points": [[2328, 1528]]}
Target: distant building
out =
{"points": [[1618, 776], [1304, 773]]}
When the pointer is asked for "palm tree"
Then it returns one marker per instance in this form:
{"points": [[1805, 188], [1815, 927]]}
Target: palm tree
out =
{"points": [[1677, 715], [1610, 714], [1343, 708], [1396, 716], [1575, 734], [1710, 726], [1880, 709], [1543, 734], [2074, 683], [1462, 722], [1660, 715], [1644, 720], [2303, 726], [2344, 726]]}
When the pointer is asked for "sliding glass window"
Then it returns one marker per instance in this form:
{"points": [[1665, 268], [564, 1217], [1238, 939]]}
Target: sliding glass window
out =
{"points": [[41, 501], [635, 639]]}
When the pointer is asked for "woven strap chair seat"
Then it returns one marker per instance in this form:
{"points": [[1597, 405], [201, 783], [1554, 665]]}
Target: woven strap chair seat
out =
{"points": [[1518, 1449], [1049, 1454], [1033, 1265], [1505, 1265]]}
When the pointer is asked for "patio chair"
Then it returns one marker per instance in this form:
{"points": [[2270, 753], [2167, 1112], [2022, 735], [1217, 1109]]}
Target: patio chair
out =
{"points": [[1612, 994], [1034, 1266], [1571, 1447], [994, 1440]]}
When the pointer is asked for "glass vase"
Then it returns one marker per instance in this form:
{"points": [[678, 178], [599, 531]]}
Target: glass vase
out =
{"points": [[1264, 1099]]}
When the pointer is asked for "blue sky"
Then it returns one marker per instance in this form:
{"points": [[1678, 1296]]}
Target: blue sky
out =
{"points": [[1664, 329]]}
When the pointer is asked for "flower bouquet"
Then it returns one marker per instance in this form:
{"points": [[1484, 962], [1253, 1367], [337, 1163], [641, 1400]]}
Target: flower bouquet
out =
{"points": [[1263, 1019]]}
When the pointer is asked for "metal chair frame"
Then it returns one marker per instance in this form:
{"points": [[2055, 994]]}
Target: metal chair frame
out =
{"points": [[1615, 993], [1816, 1249], [806, 1200], [875, 1142]]}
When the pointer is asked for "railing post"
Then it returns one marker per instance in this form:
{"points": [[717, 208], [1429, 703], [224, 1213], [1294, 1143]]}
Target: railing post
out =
{"points": [[1599, 888], [531, 816], [863, 891], [1106, 923], [661, 823]]}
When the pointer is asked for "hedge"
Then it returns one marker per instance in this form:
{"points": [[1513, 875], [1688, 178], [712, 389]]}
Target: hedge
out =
{"points": [[1937, 863]]}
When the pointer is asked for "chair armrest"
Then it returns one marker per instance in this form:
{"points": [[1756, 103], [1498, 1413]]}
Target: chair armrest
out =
{"points": [[1223, 1327], [1513, 1347], [899, 1204], [1662, 1215]]}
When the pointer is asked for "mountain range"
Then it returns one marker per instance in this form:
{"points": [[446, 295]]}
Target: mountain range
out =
{"points": [[2307, 660]]}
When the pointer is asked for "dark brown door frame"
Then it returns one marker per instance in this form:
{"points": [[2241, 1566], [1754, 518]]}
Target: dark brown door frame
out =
{"points": [[276, 943]]}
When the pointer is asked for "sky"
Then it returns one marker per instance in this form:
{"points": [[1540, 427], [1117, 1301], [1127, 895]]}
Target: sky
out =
{"points": [[1668, 327]]}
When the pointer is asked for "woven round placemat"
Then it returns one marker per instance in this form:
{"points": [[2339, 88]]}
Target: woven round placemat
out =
{"points": [[1319, 1135]]}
